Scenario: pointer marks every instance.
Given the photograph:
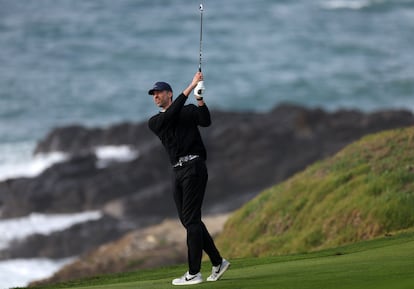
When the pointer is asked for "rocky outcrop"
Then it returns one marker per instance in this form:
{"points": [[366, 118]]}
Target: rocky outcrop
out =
{"points": [[155, 246], [76, 139], [247, 153]]}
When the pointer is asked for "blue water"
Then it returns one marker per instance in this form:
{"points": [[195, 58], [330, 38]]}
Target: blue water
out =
{"points": [[92, 62]]}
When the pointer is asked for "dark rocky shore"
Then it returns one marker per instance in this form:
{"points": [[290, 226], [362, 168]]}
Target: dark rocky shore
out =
{"points": [[247, 152]]}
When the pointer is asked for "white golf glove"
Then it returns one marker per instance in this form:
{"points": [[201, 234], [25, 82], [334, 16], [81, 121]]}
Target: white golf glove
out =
{"points": [[199, 89]]}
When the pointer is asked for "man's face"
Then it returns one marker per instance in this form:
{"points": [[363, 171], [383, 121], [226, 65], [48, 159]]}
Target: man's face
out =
{"points": [[162, 98]]}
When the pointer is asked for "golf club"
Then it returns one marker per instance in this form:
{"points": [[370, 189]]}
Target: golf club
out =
{"points": [[200, 88]]}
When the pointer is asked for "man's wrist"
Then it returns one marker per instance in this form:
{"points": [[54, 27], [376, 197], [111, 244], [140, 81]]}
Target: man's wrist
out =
{"points": [[188, 90]]}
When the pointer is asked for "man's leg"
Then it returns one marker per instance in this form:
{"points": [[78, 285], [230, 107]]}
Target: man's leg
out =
{"points": [[187, 201], [210, 248], [194, 183], [189, 193], [193, 187], [188, 278]]}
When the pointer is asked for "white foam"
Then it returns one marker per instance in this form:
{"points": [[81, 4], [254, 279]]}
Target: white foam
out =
{"points": [[346, 4], [19, 272], [108, 154], [35, 223], [16, 161]]}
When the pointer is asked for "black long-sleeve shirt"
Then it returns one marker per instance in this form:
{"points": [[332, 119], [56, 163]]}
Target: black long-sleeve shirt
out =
{"points": [[177, 128]]}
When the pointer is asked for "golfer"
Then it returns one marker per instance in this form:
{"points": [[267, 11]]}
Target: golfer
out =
{"points": [[177, 127]]}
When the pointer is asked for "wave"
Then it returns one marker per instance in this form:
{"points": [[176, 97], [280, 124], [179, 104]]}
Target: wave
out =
{"points": [[109, 154], [19, 272], [35, 223], [348, 4], [32, 167], [16, 160]]}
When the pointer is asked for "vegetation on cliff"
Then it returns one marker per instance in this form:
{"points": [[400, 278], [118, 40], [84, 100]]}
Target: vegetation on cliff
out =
{"points": [[364, 191]]}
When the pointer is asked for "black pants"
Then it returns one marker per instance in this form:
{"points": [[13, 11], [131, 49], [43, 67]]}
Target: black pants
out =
{"points": [[189, 189]]}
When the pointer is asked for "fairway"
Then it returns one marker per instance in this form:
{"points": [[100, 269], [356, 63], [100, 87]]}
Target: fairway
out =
{"points": [[382, 263]]}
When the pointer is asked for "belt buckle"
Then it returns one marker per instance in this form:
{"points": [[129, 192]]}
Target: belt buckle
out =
{"points": [[185, 159], [178, 164]]}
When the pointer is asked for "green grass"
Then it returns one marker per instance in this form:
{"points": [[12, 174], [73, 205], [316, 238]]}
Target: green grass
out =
{"points": [[381, 263]]}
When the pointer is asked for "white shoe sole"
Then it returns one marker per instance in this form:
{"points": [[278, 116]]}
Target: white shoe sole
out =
{"points": [[222, 271], [180, 282], [187, 283]]}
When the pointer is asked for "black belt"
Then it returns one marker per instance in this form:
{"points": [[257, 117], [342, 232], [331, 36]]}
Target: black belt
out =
{"points": [[185, 159]]}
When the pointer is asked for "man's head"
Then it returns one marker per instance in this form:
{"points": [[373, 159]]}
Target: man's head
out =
{"points": [[162, 94]]}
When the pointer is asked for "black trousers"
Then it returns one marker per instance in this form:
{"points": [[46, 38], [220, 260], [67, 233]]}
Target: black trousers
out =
{"points": [[189, 189]]}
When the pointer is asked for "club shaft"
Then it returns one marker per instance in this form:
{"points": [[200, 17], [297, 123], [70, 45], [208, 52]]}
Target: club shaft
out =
{"points": [[201, 37]]}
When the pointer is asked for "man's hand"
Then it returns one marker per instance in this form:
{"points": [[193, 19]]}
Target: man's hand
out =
{"points": [[197, 78]]}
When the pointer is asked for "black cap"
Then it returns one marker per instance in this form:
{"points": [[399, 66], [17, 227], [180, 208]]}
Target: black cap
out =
{"points": [[160, 86]]}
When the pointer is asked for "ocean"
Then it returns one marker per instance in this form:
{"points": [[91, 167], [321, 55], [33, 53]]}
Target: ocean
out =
{"points": [[92, 62]]}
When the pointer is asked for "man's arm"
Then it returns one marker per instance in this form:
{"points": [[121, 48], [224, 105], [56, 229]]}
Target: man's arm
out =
{"points": [[197, 77], [203, 116], [202, 112]]}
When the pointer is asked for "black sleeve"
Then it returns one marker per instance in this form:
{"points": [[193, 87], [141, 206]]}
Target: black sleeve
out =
{"points": [[203, 116], [157, 122]]}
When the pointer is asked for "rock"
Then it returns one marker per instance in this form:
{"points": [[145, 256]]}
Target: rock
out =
{"points": [[155, 246], [77, 185], [76, 139]]}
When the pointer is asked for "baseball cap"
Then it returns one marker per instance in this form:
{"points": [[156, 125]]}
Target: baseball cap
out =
{"points": [[160, 86]]}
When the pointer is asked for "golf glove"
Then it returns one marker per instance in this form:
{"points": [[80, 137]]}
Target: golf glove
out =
{"points": [[199, 89]]}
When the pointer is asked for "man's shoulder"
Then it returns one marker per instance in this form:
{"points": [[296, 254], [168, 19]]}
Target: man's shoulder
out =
{"points": [[153, 117], [153, 120]]}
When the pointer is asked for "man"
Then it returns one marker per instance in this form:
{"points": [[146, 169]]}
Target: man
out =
{"points": [[177, 127]]}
